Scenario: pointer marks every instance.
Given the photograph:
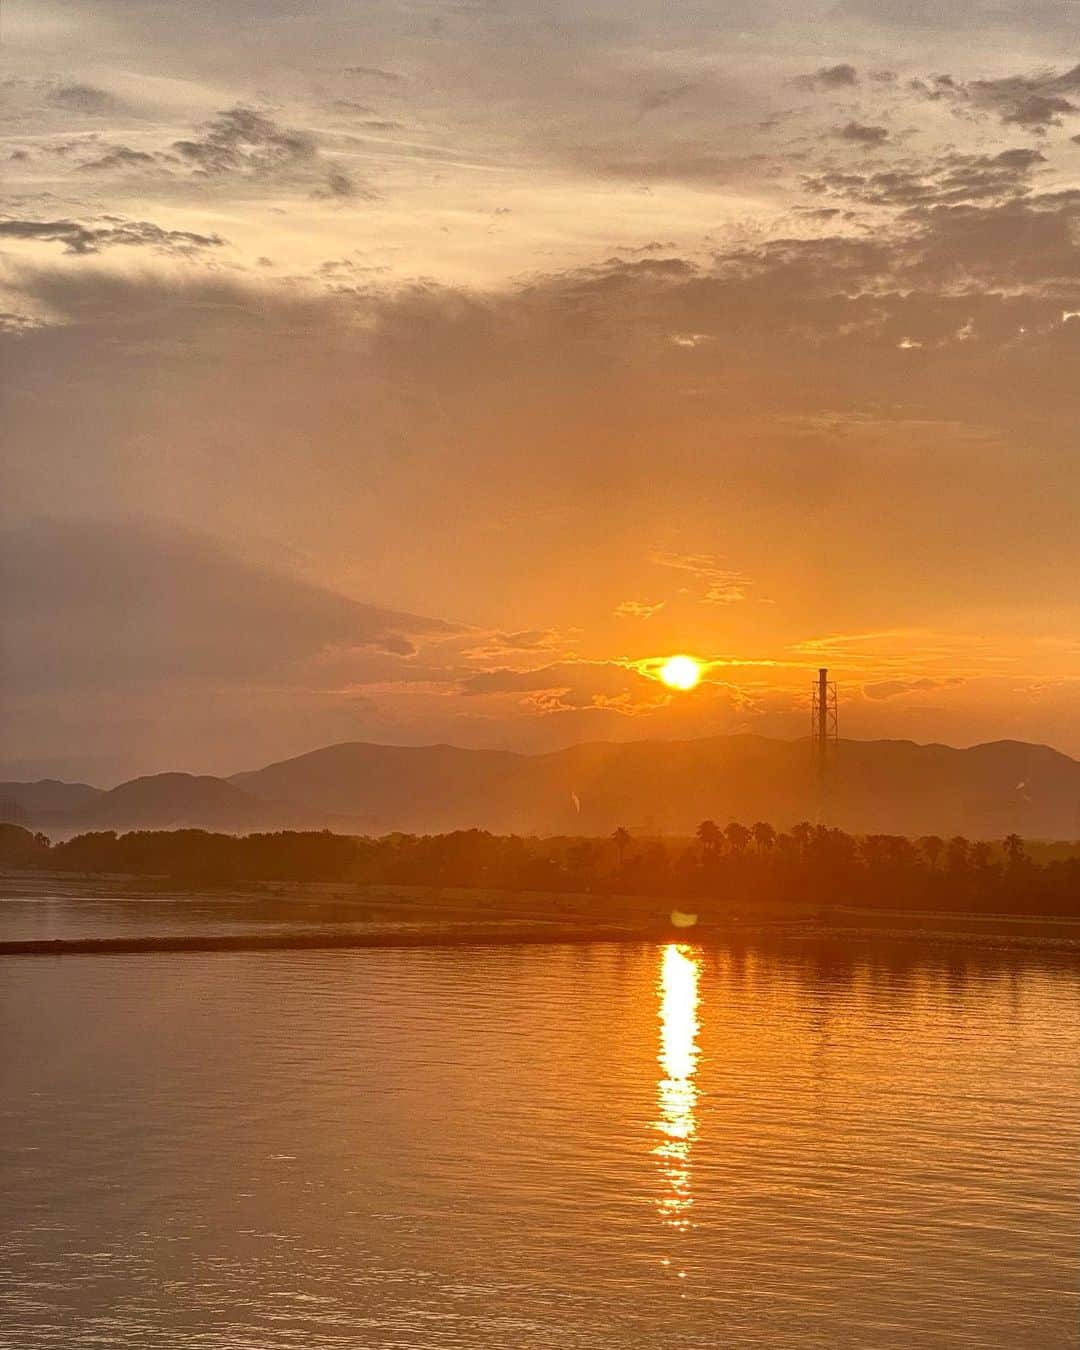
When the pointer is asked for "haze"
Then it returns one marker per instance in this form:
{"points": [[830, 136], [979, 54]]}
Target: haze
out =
{"points": [[426, 371]]}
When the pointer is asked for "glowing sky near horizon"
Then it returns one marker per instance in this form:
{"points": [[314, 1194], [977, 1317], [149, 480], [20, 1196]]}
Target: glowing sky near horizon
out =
{"points": [[433, 369]]}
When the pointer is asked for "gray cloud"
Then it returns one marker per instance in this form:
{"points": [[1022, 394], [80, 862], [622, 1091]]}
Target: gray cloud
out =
{"points": [[84, 238], [1035, 102], [120, 157], [341, 186], [129, 604], [243, 140], [841, 76], [863, 133], [375, 73], [82, 98], [951, 179]]}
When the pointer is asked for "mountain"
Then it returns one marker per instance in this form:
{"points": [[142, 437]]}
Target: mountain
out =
{"points": [[428, 788], [894, 787], [878, 786], [27, 801], [166, 801]]}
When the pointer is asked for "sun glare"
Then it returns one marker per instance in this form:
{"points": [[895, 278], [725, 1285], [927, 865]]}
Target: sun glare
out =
{"points": [[680, 672]]}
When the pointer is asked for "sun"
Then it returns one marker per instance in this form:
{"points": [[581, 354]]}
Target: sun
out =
{"points": [[680, 672]]}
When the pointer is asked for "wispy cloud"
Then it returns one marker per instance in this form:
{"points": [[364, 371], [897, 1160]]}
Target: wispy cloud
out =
{"points": [[718, 585]]}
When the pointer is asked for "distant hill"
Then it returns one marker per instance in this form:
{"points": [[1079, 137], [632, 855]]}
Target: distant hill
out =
{"points": [[167, 801], [46, 795], [879, 786], [894, 787]]}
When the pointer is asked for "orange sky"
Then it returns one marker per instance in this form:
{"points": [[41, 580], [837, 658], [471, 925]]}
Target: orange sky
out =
{"points": [[417, 372]]}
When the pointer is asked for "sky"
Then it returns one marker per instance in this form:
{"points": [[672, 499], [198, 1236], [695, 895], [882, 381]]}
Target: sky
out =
{"points": [[429, 370]]}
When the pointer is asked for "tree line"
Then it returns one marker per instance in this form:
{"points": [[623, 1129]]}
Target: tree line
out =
{"points": [[733, 864]]}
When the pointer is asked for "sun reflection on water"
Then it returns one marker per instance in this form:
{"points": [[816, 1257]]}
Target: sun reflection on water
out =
{"points": [[677, 986]]}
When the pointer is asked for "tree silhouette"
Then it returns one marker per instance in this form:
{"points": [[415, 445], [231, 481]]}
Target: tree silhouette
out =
{"points": [[764, 836], [709, 837], [1013, 847], [737, 837], [958, 853], [932, 846]]}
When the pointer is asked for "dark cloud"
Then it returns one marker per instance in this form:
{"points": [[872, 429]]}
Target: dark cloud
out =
{"points": [[111, 232], [133, 603], [951, 179], [661, 98], [244, 140], [121, 157], [1027, 241], [1035, 102], [938, 87], [842, 76], [375, 73], [863, 133], [82, 98], [1040, 111], [340, 186]]}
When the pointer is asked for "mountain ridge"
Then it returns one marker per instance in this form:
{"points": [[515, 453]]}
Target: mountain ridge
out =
{"points": [[895, 786]]}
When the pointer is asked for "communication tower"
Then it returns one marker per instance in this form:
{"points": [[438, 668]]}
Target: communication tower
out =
{"points": [[824, 734]]}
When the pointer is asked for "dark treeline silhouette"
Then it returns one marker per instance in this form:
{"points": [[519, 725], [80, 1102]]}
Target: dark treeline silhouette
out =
{"points": [[722, 866]]}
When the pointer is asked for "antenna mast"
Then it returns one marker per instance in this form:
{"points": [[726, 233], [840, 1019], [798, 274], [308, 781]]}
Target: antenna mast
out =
{"points": [[824, 735]]}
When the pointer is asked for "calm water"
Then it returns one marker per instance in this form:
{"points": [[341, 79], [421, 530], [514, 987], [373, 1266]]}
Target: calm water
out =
{"points": [[593, 1147]]}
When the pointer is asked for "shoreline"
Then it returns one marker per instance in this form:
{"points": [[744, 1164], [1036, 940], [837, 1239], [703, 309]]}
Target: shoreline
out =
{"points": [[853, 938], [321, 916]]}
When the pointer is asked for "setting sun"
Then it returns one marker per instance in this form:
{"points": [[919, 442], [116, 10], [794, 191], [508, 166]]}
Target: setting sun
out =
{"points": [[680, 672]]}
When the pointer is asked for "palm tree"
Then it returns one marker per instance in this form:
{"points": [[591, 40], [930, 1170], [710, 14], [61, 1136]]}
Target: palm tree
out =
{"points": [[737, 836], [764, 836], [802, 833], [709, 836]]}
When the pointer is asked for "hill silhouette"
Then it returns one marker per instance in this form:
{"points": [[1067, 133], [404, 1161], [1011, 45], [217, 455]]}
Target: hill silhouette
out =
{"points": [[898, 787], [47, 795], [166, 801]]}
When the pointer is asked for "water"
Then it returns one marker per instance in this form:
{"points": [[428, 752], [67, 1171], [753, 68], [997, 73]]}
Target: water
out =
{"points": [[558, 1148]]}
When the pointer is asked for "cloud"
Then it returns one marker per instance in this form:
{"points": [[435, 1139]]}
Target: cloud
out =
{"points": [[340, 186], [1035, 102], [375, 73], [720, 585], [75, 96], [862, 133], [527, 640], [82, 238], [841, 76], [950, 179], [243, 140], [571, 684], [98, 603], [886, 689], [120, 157], [638, 609]]}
